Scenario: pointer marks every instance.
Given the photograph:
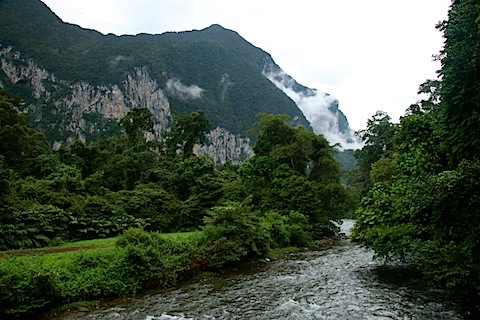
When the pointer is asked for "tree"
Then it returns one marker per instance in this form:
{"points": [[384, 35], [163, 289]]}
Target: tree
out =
{"points": [[196, 184], [136, 123], [302, 150], [460, 72], [187, 130], [429, 214], [378, 138], [235, 231], [273, 131], [418, 145], [19, 143], [293, 170]]}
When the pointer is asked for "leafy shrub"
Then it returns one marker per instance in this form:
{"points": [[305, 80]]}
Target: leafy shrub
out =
{"points": [[277, 226], [287, 230], [97, 218], [158, 261], [32, 285], [25, 289], [92, 274], [431, 222], [35, 227], [235, 232], [157, 208], [297, 228]]}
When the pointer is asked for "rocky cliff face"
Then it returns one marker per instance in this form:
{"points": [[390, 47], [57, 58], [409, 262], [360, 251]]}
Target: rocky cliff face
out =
{"points": [[76, 101], [224, 146], [85, 110]]}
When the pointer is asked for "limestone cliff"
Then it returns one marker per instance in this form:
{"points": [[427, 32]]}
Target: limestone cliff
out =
{"points": [[224, 146], [77, 103]]}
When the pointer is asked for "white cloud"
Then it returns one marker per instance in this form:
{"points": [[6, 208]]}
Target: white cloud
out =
{"points": [[177, 88], [315, 105]]}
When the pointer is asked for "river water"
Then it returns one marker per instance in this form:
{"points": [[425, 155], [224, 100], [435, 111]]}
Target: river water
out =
{"points": [[342, 282]]}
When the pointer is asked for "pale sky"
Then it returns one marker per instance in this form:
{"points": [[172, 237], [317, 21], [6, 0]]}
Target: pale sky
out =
{"points": [[370, 54]]}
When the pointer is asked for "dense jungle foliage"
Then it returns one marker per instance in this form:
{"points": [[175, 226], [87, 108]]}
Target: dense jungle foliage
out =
{"points": [[421, 178], [103, 188]]}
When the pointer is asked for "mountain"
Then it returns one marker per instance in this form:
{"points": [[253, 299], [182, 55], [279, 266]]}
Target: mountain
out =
{"points": [[77, 83]]}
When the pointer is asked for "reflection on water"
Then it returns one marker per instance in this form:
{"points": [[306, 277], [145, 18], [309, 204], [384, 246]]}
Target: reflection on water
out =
{"points": [[342, 282]]}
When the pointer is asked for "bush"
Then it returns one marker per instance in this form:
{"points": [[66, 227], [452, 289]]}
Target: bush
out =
{"points": [[278, 228], [141, 260], [158, 261], [92, 274], [297, 227], [157, 208], [97, 218], [235, 232], [34, 227], [25, 288], [287, 230]]}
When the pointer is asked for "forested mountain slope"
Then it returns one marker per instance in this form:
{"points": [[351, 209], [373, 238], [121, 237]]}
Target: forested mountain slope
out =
{"points": [[80, 82]]}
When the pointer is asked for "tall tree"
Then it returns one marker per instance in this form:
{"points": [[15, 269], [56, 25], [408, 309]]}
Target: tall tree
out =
{"points": [[430, 213], [294, 170], [19, 143], [302, 150], [460, 72], [136, 123], [187, 130], [378, 139]]}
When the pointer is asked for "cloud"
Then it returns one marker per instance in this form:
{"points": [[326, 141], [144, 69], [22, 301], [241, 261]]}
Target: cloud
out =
{"points": [[320, 109], [177, 88]]}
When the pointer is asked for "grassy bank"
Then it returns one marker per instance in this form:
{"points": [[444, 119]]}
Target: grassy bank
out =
{"points": [[88, 244], [110, 268]]}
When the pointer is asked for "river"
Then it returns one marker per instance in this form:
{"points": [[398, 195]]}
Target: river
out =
{"points": [[342, 282]]}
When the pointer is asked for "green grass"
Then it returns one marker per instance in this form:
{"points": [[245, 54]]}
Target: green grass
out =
{"points": [[91, 244], [180, 235], [110, 242]]}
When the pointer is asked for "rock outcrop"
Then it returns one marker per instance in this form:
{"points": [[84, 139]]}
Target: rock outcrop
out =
{"points": [[84, 109], [224, 146]]}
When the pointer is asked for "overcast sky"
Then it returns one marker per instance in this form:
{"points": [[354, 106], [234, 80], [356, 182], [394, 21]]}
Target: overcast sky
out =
{"points": [[370, 54]]}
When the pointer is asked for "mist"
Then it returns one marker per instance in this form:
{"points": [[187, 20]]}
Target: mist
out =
{"points": [[320, 109], [176, 87]]}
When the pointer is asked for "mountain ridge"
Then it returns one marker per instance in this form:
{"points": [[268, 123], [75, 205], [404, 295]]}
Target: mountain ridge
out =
{"points": [[213, 69]]}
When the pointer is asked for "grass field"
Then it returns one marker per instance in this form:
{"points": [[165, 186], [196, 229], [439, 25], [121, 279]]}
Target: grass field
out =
{"points": [[89, 245]]}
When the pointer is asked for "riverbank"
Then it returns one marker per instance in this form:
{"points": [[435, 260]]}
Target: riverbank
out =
{"points": [[341, 282], [79, 277], [207, 275], [36, 284]]}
